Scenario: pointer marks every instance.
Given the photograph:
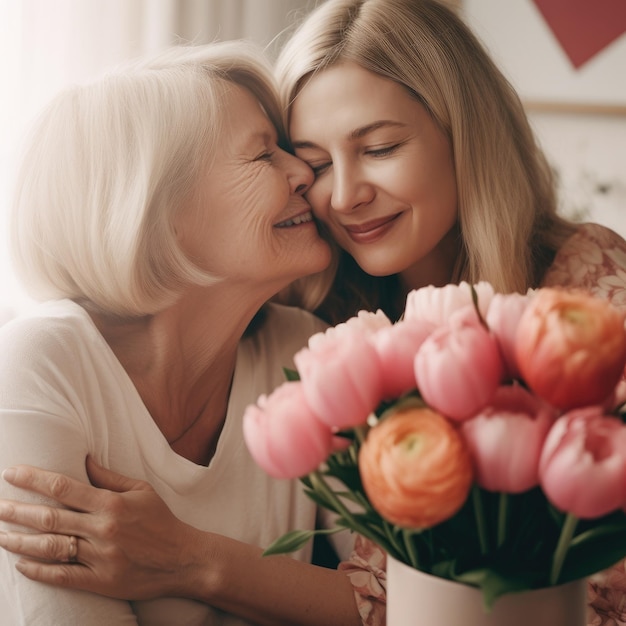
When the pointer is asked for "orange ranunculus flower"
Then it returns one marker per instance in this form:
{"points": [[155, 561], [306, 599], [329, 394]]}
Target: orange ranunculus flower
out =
{"points": [[415, 467], [571, 347]]}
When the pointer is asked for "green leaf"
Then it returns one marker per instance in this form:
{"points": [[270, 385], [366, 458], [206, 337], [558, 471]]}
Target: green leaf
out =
{"points": [[493, 583], [593, 551], [296, 539], [291, 374], [320, 500]]}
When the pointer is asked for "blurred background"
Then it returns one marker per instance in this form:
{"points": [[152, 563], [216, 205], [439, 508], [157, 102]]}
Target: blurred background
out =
{"points": [[568, 65]]}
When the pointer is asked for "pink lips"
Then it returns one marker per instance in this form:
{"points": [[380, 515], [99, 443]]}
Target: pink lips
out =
{"points": [[368, 232]]}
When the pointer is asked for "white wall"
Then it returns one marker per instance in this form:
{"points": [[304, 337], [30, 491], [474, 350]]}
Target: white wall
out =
{"points": [[588, 150]]}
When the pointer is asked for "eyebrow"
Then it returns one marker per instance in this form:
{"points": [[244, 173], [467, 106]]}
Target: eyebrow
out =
{"points": [[264, 136], [357, 133]]}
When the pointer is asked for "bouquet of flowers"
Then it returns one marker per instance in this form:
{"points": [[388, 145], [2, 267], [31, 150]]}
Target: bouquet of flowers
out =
{"points": [[481, 438]]}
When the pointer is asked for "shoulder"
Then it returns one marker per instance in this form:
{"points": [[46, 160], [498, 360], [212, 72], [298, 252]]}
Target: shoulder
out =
{"points": [[593, 258], [51, 336]]}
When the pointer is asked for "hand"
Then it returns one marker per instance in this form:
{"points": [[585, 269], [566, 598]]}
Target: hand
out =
{"points": [[129, 545]]}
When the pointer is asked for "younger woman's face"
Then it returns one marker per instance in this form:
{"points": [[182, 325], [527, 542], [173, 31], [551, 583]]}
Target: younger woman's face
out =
{"points": [[384, 175]]}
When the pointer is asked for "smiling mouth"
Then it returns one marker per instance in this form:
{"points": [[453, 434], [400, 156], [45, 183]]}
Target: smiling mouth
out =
{"points": [[367, 228], [303, 218]]}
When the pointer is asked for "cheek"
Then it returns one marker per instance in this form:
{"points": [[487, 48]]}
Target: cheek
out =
{"points": [[318, 197]]}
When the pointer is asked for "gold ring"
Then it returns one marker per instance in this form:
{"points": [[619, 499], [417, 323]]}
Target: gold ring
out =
{"points": [[72, 551]]}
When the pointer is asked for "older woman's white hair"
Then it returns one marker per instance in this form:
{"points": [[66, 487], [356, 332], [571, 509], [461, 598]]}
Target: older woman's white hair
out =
{"points": [[109, 164]]}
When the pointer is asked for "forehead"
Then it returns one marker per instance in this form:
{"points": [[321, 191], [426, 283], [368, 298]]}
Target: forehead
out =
{"points": [[245, 123], [347, 96]]}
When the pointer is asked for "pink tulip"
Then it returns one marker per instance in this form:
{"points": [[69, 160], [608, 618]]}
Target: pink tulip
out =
{"points": [[571, 347], [437, 304], [506, 439], [583, 464], [364, 324], [341, 379], [503, 318], [282, 434], [396, 347], [459, 367]]}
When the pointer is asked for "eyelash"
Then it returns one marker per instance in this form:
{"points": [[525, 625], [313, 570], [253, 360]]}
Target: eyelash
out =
{"points": [[383, 152], [377, 153], [319, 169], [266, 156]]}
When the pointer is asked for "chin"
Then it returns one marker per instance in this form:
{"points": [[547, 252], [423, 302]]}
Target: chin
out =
{"points": [[379, 271]]}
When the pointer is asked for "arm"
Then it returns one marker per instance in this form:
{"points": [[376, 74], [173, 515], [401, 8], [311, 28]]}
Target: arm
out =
{"points": [[38, 424], [131, 546], [22, 602]]}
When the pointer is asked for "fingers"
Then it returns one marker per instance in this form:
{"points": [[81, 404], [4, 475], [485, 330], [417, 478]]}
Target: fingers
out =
{"points": [[68, 491], [42, 518], [63, 489], [46, 547], [107, 479], [73, 576]]}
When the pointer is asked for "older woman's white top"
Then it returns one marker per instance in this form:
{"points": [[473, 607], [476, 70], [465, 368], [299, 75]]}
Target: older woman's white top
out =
{"points": [[64, 394]]}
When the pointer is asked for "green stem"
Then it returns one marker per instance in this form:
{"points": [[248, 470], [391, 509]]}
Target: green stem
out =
{"points": [[503, 513], [391, 537], [321, 486], [407, 537], [479, 516], [565, 539]]}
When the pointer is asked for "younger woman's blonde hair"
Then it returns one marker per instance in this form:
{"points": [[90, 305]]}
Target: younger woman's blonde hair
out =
{"points": [[109, 164], [507, 218]]}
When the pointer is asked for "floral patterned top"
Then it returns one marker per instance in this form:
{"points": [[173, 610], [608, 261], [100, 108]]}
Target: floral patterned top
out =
{"points": [[594, 258]]}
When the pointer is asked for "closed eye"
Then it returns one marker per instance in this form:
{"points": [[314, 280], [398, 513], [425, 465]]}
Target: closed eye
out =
{"points": [[266, 156], [320, 168], [383, 152]]}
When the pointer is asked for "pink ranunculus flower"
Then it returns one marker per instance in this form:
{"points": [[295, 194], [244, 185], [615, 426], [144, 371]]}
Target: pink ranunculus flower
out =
{"points": [[397, 346], [503, 318], [459, 367], [341, 379], [364, 324], [506, 438], [583, 464], [437, 304], [571, 347], [283, 435]]}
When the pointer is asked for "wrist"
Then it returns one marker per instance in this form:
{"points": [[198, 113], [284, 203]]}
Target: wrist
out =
{"points": [[201, 574]]}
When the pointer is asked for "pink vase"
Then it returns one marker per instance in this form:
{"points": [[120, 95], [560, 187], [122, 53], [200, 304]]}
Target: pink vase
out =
{"points": [[418, 599]]}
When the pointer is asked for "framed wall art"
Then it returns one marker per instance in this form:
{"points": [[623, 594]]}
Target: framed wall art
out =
{"points": [[560, 55]]}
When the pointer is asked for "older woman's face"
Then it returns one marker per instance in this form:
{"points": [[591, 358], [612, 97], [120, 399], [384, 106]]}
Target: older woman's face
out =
{"points": [[385, 183], [250, 221]]}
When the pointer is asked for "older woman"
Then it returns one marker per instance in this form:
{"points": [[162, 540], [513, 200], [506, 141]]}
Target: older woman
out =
{"points": [[156, 213]]}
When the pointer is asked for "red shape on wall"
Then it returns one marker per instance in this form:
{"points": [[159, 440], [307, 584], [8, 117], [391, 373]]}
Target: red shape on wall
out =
{"points": [[584, 27]]}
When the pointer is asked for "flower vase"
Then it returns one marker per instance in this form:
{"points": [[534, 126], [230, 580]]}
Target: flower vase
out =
{"points": [[415, 598]]}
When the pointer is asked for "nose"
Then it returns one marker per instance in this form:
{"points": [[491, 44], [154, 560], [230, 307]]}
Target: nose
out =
{"points": [[299, 174], [350, 189]]}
